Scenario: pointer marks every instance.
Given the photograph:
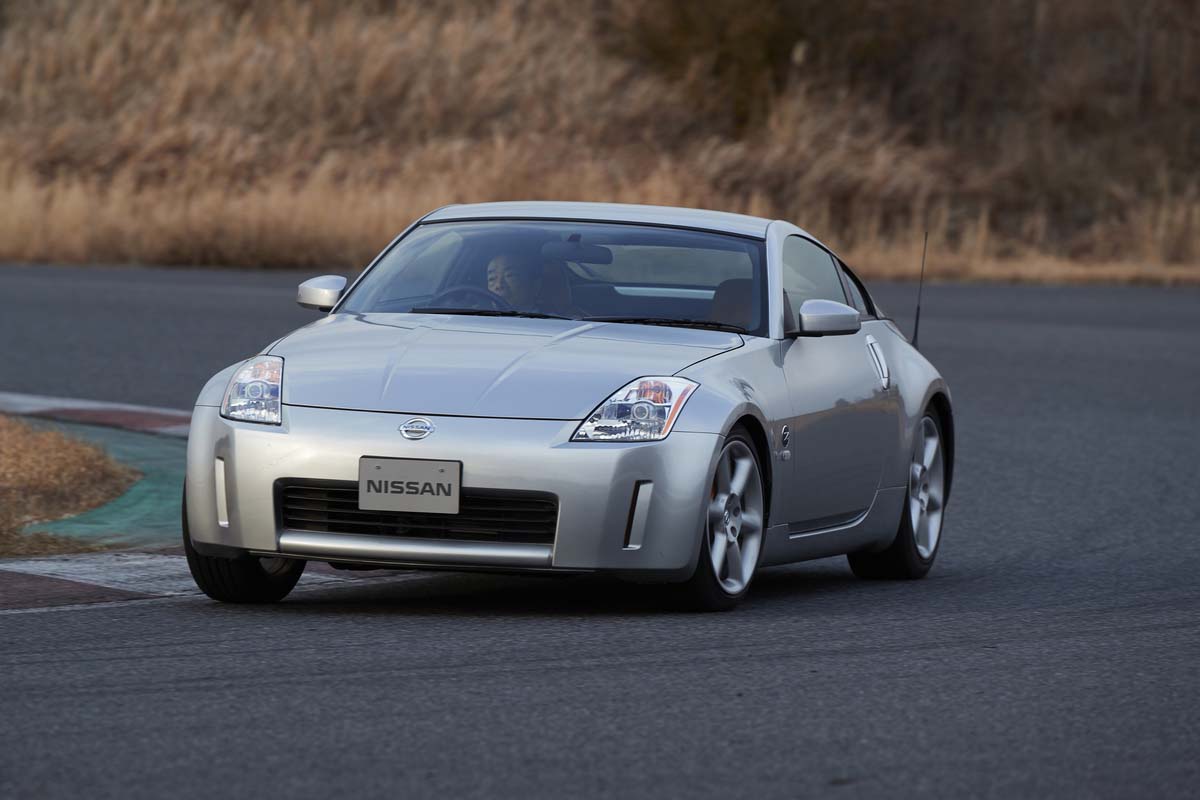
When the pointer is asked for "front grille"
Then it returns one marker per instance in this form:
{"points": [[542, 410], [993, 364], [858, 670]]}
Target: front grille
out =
{"points": [[484, 515]]}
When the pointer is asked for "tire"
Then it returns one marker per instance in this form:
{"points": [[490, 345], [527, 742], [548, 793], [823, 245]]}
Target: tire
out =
{"points": [[245, 579], [733, 528], [912, 552]]}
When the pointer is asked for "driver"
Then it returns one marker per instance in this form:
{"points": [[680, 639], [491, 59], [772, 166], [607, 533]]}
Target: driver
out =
{"points": [[515, 279]]}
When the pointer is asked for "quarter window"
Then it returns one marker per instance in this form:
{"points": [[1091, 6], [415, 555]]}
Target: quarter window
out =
{"points": [[856, 296]]}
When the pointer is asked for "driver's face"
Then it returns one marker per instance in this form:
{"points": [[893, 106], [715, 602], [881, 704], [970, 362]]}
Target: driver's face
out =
{"points": [[516, 283]]}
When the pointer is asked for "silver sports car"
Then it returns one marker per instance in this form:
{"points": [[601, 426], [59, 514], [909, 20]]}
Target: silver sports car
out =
{"points": [[658, 393]]}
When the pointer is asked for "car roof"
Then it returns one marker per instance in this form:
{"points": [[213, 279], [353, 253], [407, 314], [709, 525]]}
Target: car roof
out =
{"points": [[723, 221]]}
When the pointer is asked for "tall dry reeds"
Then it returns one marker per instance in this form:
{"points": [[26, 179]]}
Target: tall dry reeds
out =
{"points": [[308, 133]]}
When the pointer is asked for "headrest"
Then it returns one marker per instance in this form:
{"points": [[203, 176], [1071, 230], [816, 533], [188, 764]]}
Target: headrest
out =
{"points": [[733, 303]]}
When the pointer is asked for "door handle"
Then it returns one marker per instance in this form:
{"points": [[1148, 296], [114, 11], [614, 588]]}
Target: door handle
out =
{"points": [[881, 365]]}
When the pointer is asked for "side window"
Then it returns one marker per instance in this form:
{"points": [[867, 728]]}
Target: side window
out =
{"points": [[856, 296], [808, 273]]}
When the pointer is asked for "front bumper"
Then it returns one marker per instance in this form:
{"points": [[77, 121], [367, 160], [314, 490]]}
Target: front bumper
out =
{"points": [[624, 507]]}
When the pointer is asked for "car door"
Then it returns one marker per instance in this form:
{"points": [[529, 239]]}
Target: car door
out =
{"points": [[840, 404]]}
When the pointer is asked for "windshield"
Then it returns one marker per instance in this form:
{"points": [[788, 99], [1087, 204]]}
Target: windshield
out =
{"points": [[576, 270]]}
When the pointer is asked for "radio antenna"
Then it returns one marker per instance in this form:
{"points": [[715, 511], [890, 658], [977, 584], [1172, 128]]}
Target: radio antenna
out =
{"points": [[920, 286]]}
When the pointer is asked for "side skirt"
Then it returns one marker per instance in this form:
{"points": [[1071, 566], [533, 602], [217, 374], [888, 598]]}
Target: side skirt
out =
{"points": [[876, 527]]}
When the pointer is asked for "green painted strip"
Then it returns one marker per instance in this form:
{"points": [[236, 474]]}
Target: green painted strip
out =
{"points": [[147, 514]]}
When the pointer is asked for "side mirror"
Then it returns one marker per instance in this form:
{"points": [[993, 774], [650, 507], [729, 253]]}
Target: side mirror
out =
{"points": [[827, 318], [321, 294]]}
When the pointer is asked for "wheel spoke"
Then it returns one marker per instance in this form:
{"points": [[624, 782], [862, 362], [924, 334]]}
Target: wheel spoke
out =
{"points": [[741, 475], [930, 451], [733, 561], [716, 513], [718, 551], [751, 523], [914, 512]]}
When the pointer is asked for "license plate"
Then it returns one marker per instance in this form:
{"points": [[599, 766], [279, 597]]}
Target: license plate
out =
{"points": [[409, 484]]}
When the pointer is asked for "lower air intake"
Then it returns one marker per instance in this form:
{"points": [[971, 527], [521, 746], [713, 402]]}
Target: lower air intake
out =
{"points": [[485, 515]]}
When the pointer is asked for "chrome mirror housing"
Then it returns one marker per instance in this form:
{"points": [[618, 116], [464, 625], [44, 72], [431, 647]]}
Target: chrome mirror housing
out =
{"points": [[321, 294], [827, 318]]}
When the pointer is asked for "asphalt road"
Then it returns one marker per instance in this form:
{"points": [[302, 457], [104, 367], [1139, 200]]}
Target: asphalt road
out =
{"points": [[146, 336], [1053, 651]]}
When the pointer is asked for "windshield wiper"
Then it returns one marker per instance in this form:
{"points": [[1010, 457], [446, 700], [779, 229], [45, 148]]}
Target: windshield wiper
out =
{"points": [[682, 323], [485, 312]]}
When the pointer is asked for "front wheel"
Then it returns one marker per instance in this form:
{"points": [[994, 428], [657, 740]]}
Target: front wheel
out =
{"points": [[247, 579], [734, 521], [915, 547]]}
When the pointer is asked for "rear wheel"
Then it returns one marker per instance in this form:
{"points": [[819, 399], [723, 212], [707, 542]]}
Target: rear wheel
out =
{"points": [[245, 579], [733, 528], [915, 547]]}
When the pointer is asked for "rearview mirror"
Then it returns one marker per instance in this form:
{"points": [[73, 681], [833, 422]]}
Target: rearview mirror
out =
{"points": [[827, 318], [578, 252], [321, 294]]}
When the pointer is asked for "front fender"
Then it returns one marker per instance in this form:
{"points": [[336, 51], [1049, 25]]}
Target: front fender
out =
{"points": [[745, 385], [213, 392], [747, 382]]}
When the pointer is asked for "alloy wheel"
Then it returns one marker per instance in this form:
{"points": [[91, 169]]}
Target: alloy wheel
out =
{"points": [[735, 517], [926, 488]]}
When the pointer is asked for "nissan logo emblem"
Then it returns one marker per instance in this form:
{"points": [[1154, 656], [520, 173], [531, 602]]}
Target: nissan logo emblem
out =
{"points": [[416, 428]]}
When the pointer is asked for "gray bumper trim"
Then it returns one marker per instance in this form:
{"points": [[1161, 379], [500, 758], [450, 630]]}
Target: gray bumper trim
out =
{"points": [[349, 547]]}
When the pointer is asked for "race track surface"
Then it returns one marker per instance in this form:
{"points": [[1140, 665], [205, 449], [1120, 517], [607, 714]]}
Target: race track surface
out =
{"points": [[1053, 651]]}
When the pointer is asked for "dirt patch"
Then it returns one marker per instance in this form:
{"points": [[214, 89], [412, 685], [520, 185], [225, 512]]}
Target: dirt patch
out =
{"points": [[46, 475]]}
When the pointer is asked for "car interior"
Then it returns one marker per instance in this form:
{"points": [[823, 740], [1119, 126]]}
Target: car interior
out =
{"points": [[575, 288]]}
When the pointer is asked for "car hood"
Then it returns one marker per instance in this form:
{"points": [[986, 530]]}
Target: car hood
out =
{"points": [[479, 366]]}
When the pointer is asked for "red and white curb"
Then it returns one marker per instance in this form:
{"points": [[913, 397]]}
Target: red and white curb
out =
{"points": [[88, 580], [144, 419], [92, 580]]}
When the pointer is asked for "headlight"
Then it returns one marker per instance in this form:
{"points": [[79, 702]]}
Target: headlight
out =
{"points": [[642, 411], [255, 392]]}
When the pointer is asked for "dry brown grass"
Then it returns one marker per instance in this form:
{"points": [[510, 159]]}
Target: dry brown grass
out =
{"points": [[46, 475], [308, 133]]}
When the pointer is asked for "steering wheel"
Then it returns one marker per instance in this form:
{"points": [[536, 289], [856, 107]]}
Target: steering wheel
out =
{"points": [[494, 300]]}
